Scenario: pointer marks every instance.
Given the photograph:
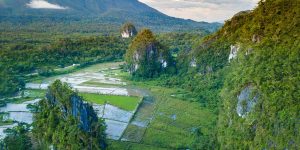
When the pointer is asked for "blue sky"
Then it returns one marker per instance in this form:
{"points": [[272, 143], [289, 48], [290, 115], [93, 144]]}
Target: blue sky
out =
{"points": [[202, 10]]}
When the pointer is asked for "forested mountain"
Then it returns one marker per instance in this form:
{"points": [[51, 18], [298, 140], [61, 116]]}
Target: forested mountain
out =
{"points": [[74, 7], [91, 15], [237, 88], [248, 73], [250, 69]]}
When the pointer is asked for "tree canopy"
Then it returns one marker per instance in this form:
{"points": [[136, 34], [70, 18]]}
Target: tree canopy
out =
{"points": [[66, 122], [146, 57]]}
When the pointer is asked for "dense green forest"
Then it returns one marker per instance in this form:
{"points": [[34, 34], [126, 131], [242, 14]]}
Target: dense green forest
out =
{"points": [[17, 138], [247, 74], [19, 59], [255, 94], [23, 53], [268, 62]]}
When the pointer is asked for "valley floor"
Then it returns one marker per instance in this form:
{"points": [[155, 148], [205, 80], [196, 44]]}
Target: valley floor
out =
{"points": [[174, 123], [160, 121]]}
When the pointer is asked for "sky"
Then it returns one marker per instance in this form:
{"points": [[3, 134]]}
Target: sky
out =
{"points": [[202, 10]]}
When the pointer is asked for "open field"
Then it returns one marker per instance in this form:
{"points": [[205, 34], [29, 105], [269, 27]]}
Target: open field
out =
{"points": [[167, 122], [99, 84], [164, 112], [128, 103]]}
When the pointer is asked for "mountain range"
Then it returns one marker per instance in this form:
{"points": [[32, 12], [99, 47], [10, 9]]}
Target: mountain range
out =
{"points": [[102, 12]]}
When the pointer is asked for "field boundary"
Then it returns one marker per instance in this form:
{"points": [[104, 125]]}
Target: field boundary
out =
{"points": [[134, 113]]}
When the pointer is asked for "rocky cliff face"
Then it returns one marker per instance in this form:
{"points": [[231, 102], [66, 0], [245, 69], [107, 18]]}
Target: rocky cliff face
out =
{"points": [[67, 122], [233, 52], [146, 56], [259, 102], [246, 101], [128, 30], [76, 107]]}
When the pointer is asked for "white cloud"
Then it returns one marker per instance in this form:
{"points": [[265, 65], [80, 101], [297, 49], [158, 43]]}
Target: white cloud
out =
{"points": [[42, 4], [202, 10]]}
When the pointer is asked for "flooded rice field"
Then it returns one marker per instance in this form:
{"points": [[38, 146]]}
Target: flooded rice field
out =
{"points": [[98, 79], [16, 113]]}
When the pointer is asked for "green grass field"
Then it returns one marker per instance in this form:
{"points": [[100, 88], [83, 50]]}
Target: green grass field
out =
{"points": [[98, 84], [128, 103], [36, 93], [28, 95], [117, 145], [177, 123]]}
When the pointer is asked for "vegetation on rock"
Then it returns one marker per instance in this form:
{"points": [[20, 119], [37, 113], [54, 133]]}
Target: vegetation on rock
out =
{"points": [[267, 60], [66, 122], [206, 98], [146, 57], [128, 30]]}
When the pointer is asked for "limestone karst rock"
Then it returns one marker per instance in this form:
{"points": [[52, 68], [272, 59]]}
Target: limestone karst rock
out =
{"points": [[76, 107], [128, 30], [233, 52], [246, 101], [146, 57]]}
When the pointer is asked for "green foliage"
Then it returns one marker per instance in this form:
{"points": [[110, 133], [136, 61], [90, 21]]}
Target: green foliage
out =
{"points": [[55, 125], [124, 102], [17, 138], [180, 42], [43, 59], [146, 55], [9, 84], [269, 60]]}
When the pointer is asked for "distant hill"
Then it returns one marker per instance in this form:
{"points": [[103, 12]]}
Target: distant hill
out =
{"points": [[93, 13]]}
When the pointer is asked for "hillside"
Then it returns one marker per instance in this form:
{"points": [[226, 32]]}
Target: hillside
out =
{"points": [[237, 88], [88, 16], [258, 54]]}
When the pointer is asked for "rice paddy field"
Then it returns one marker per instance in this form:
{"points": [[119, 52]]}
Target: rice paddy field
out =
{"points": [[128, 103], [139, 115], [102, 86], [173, 123]]}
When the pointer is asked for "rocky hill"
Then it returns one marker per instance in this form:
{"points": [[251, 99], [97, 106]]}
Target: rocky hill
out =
{"points": [[64, 121], [258, 52]]}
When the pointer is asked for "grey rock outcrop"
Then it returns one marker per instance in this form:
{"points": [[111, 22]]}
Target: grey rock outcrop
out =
{"points": [[246, 101], [193, 63], [83, 111], [233, 52], [128, 30]]}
